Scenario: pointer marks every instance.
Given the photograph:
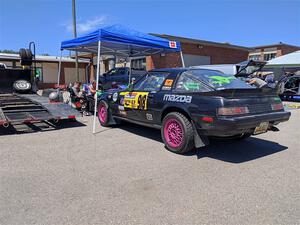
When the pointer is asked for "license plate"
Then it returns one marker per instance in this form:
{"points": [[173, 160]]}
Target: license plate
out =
{"points": [[262, 128]]}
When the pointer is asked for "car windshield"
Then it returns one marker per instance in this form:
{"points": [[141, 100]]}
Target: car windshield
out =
{"points": [[218, 80]]}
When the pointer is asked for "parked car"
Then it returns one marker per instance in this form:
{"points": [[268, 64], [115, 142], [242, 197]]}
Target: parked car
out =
{"points": [[243, 69], [289, 88], [190, 105], [119, 75]]}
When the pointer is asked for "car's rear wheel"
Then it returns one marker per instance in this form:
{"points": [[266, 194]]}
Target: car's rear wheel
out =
{"points": [[103, 113], [177, 133]]}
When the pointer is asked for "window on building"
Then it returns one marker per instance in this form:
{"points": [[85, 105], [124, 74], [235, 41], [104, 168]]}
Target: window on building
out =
{"points": [[139, 64], [254, 57], [269, 56]]}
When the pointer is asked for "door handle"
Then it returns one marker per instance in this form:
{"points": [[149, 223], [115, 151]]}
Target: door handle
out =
{"points": [[150, 96]]}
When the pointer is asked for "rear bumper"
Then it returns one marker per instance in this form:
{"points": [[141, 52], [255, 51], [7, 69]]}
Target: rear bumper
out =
{"points": [[229, 126]]}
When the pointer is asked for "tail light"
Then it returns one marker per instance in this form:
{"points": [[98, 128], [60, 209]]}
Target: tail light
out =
{"points": [[277, 106], [231, 111]]}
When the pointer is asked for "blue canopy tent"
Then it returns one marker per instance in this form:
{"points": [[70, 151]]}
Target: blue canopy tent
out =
{"points": [[119, 41]]}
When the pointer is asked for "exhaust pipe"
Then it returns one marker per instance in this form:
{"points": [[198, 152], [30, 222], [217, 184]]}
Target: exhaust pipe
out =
{"points": [[273, 128], [5, 124]]}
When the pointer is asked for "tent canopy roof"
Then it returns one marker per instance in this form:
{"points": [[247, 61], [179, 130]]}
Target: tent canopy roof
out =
{"points": [[120, 41], [286, 60]]}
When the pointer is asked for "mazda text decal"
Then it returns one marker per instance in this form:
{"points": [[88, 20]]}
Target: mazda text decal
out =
{"points": [[178, 98]]}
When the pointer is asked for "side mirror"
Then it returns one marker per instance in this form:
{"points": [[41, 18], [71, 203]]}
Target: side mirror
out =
{"points": [[132, 80], [130, 87]]}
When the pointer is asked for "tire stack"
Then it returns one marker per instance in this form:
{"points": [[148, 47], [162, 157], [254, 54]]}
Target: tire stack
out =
{"points": [[25, 57]]}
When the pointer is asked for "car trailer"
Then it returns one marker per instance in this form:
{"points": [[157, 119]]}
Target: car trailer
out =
{"points": [[19, 102], [30, 108]]}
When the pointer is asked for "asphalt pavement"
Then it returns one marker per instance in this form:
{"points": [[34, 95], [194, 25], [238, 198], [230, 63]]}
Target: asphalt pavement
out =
{"points": [[124, 175]]}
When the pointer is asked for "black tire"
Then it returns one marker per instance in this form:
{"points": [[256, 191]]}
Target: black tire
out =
{"points": [[104, 120], [186, 142], [28, 54], [22, 53]]}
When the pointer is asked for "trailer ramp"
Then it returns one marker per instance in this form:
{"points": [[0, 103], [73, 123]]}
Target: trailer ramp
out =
{"points": [[17, 108]]}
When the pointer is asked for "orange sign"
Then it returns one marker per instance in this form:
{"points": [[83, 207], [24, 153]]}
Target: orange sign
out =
{"points": [[169, 82]]}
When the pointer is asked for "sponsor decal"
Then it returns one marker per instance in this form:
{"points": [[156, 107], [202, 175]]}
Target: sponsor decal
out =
{"points": [[122, 101], [172, 44], [169, 82], [178, 98], [221, 80], [149, 116], [135, 100], [166, 88], [115, 96], [122, 110]]}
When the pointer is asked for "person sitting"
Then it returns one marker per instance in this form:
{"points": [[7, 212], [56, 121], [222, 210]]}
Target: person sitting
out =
{"points": [[259, 83], [89, 96]]}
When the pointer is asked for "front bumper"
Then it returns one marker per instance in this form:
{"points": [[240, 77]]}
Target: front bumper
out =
{"points": [[230, 126]]}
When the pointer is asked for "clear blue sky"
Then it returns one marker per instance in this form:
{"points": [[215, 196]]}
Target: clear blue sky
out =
{"points": [[241, 22]]}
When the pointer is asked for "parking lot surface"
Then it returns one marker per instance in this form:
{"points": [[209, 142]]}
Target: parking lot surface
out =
{"points": [[124, 175]]}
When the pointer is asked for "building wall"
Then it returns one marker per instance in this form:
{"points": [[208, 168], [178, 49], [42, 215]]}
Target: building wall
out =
{"points": [[50, 70], [218, 55], [278, 50], [285, 49]]}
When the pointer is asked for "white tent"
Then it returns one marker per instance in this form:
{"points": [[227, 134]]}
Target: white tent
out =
{"points": [[288, 60]]}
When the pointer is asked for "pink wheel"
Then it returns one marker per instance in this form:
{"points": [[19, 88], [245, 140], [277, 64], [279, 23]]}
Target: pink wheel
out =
{"points": [[173, 133], [103, 113], [177, 133]]}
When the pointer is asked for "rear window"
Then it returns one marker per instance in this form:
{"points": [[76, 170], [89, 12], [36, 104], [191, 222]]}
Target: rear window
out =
{"points": [[218, 80]]}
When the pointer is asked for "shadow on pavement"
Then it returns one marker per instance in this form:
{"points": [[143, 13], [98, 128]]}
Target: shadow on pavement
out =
{"points": [[233, 151], [39, 127]]}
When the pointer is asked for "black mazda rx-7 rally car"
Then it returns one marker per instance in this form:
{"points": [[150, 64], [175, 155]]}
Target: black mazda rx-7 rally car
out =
{"points": [[190, 105]]}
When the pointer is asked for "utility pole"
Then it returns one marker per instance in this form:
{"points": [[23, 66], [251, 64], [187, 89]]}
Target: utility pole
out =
{"points": [[75, 36]]}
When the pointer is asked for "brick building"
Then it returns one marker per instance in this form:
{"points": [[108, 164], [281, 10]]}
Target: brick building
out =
{"points": [[268, 52], [198, 52]]}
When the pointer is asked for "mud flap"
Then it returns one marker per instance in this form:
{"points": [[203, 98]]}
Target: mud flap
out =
{"points": [[199, 140]]}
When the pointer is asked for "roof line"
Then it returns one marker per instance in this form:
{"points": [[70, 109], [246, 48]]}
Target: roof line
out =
{"points": [[197, 41], [272, 45]]}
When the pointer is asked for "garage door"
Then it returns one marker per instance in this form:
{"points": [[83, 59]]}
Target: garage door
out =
{"points": [[70, 75], [195, 60], [50, 71]]}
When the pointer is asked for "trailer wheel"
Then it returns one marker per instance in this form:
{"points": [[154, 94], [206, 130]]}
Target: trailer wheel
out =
{"points": [[22, 86], [177, 133], [103, 113]]}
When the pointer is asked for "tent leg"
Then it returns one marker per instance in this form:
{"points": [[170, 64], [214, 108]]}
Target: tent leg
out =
{"points": [[59, 68], [182, 60], [97, 84], [129, 77]]}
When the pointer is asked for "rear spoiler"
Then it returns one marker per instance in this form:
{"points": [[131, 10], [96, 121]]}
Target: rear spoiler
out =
{"points": [[250, 92], [242, 67]]}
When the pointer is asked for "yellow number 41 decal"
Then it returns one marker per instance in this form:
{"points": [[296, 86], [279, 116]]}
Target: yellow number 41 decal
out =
{"points": [[135, 100]]}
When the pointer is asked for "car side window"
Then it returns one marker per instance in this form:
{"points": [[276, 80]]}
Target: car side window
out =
{"points": [[188, 83], [151, 82]]}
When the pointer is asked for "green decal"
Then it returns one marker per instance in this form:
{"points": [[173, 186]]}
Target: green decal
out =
{"points": [[191, 85], [221, 80]]}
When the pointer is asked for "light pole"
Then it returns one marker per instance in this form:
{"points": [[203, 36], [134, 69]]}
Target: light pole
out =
{"points": [[75, 36]]}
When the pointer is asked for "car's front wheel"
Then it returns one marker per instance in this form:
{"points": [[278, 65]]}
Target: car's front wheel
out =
{"points": [[177, 133], [103, 114]]}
